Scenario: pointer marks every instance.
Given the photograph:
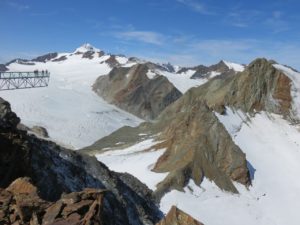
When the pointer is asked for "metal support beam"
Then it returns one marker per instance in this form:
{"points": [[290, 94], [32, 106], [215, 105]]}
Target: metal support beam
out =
{"points": [[22, 80]]}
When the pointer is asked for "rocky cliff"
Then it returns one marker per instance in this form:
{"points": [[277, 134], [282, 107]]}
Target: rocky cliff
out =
{"points": [[54, 171], [131, 89]]}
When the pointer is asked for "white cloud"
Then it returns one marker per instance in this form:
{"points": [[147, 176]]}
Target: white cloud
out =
{"points": [[197, 6], [142, 36], [276, 22], [18, 6]]}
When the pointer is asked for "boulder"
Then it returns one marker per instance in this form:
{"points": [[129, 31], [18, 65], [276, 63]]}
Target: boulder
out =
{"points": [[177, 217]]}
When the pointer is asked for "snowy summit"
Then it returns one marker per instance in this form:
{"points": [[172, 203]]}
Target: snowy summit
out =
{"points": [[86, 48]]}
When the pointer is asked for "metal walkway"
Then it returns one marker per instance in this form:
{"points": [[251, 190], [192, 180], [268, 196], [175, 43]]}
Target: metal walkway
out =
{"points": [[22, 80]]}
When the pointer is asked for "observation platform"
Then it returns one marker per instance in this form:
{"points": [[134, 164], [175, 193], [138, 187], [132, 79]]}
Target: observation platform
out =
{"points": [[23, 80]]}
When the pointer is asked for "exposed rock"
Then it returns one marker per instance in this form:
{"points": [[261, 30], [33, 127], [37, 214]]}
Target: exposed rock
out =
{"points": [[22, 186], [55, 170], [21, 61], [20, 204], [60, 59], [3, 68], [88, 55], [112, 61], [91, 54], [202, 71], [40, 131], [198, 146], [37, 130], [260, 87], [133, 91], [45, 58], [8, 119], [177, 217]]}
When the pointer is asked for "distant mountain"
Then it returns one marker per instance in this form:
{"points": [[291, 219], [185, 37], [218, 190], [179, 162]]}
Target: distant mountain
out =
{"points": [[223, 67]]}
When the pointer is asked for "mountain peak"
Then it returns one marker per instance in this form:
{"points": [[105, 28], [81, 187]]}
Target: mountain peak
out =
{"points": [[87, 48]]}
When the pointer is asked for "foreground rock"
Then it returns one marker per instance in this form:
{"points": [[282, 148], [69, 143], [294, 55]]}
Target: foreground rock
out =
{"points": [[20, 204], [177, 217], [134, 91], [55, 170]]}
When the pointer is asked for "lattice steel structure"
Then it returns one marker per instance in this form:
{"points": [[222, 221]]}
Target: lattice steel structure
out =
{"points": [[22, 80]]}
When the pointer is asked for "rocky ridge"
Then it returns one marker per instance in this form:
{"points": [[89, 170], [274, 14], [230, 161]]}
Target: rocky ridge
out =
{"points": [[197, 144]]}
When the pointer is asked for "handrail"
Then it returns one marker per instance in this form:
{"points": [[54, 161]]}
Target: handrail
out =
{"points": [[15, 75]]}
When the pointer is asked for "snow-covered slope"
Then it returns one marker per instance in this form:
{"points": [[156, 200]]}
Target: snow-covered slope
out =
{"points": [[272, 148], [71, 112], [183, 81]]}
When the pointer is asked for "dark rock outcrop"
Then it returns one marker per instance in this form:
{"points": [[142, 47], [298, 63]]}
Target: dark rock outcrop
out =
{"points": [[177, 217], [45, 58], [55, 170], [132, 90], [3, 68], [40, 131], [60, 59], [21, 61], [112, 61]]}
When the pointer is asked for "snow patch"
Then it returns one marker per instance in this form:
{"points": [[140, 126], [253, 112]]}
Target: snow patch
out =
{"points": [[234, 66], [86, 48], [150, 74], [136, 161]]}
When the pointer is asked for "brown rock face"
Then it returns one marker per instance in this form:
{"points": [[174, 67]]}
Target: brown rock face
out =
{"points": [[131, 90], [20, 204], [197, 146], [260, 87], [177, 217], [112, 61]]}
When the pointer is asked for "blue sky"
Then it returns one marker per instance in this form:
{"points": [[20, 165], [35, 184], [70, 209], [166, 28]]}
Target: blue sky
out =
{"points": [[184, 32]]}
